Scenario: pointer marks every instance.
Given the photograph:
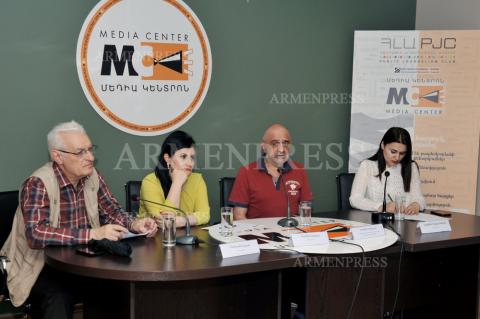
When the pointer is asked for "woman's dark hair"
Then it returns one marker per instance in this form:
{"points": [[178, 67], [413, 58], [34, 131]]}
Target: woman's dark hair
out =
{"points": [[174, 141], [396, 135]]}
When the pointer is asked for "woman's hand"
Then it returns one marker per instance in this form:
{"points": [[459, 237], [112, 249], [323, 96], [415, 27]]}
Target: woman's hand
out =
{"points": [[180, 221], [412, 209], [179, 176], [390, 207]]}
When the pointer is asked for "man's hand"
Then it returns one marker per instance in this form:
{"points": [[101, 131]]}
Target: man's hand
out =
{"points": [[239, 213], [145, 226], [109, 231]]}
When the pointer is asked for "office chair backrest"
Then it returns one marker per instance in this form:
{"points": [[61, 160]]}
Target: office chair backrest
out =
{"points": [[8, 206], [226, 185], [132, 196], [344, 188]]}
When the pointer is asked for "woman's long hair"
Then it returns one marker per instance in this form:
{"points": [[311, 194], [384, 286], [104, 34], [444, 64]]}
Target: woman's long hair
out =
{"points": [[396, 135], [174, 141]]}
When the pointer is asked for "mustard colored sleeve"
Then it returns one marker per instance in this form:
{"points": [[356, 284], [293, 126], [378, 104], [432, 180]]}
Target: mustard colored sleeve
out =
{"points": [[201, 209], [151, 190]]}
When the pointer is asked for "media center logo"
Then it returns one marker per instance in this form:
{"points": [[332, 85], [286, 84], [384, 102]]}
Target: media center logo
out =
{"points": [[417, 96], [144, 65]]}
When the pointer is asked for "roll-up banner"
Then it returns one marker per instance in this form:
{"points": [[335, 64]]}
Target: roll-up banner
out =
{"points": [[427, 82]]}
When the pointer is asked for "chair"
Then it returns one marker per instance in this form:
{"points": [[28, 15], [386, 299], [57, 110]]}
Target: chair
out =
{"points": [[8, 206], [132, 196], [226, 185], [344, 188]]}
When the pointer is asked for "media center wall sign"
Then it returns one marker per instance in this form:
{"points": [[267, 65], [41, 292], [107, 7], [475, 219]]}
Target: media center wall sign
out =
{"points": [[144, 65]]}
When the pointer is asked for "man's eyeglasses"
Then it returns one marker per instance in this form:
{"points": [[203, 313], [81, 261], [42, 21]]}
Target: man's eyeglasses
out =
{"points": [[82, 152], [276, 144]]}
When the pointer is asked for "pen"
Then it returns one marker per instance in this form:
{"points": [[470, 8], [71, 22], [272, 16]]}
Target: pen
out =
{"points": [[390, 197]]}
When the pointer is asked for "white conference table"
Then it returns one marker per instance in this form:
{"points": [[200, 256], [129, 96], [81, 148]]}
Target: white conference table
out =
{"points": [[260, 226]]}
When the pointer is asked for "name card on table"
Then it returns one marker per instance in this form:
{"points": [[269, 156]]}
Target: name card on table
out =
{"points": [[308, 239], [369, 231], [435, 227], [240, 248]]}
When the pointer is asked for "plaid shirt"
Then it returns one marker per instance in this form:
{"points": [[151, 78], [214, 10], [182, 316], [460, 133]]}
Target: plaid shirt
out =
{"points": [[73, 227]]}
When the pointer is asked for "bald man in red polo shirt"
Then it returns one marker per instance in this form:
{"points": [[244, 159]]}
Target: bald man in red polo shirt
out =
{"points": [[261, 187]]}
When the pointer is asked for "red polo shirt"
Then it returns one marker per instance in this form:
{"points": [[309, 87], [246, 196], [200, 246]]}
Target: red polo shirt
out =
{"points": [[255, 189]]}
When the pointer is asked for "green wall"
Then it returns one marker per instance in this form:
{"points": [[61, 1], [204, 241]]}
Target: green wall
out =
{"points": [[261, 49]]}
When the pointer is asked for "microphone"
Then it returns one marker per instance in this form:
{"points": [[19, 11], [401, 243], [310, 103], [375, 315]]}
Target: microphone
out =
{"points": [[384, 207], [288, 221], [182, 240], [383, 217]]}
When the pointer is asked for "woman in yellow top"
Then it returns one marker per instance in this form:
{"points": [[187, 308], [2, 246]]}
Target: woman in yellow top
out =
{"points": [[173, 176]]}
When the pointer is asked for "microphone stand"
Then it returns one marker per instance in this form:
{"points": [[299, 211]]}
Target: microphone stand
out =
{"points": [[384, 217], [288, 221], [182, 240]]}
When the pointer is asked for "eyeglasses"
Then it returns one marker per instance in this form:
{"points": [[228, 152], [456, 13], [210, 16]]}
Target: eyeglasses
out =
{"points": [[82, 152], [276, 144]]}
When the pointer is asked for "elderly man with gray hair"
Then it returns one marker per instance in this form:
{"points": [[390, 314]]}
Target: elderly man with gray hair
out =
{"points": [[65, 202]]}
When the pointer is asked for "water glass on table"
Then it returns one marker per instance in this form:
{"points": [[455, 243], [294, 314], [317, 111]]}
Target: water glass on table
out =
{"points": [[400, 202], [169, 235], [226, 226], [305, 213]]}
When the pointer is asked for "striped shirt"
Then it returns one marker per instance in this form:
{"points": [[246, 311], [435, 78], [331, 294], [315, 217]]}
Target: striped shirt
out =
{"points": [[73, 227]]}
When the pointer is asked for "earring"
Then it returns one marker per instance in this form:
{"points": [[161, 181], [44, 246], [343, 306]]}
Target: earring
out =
{"points": [[168, 165]]}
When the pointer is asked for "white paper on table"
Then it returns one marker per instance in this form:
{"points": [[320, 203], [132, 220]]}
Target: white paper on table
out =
{"points": [[240, 227], [131, 235], [422, 217]]}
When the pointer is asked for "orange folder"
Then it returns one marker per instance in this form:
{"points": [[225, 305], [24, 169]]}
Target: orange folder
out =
{"points": [[326, 227]]}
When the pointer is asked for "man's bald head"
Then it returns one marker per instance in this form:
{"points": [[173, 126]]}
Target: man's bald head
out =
{"points": [[276, 131], [276, 145]]}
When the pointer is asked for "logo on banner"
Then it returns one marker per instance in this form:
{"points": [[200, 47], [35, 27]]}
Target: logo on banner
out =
{"points": [[417, 96], [144, 65], [413, 43]]}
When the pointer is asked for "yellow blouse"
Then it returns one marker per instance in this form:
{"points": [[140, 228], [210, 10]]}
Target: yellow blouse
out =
{"points": [[193, 198]]}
